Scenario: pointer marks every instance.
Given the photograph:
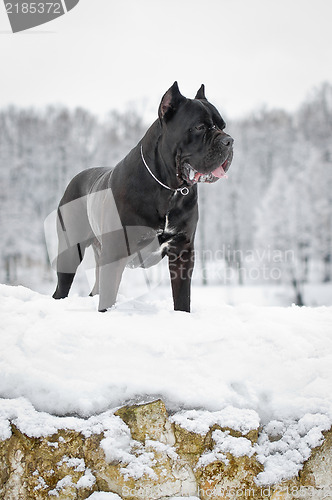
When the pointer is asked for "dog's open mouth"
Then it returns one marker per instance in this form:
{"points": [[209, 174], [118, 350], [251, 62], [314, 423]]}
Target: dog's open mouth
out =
{"points": [[191, 176]]}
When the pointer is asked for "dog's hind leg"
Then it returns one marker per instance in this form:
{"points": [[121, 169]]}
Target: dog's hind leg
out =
{"points": [[65, 281], [67, 264], [73, 238]]}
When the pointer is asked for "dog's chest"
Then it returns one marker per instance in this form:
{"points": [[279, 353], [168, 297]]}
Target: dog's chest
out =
{"points": [[168, 235], [153, 245], [167, 228]]}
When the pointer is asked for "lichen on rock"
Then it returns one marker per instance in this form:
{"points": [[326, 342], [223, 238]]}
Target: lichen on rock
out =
{"points": [[139, 452]]}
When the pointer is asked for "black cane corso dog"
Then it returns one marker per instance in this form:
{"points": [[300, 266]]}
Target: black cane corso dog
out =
{"points": [[145, 207]]}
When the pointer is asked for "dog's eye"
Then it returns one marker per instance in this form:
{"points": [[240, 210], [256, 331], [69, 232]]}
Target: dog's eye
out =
{"points": [[200, 127]]}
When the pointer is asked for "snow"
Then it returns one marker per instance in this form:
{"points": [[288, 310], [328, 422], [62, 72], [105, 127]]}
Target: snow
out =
{"points": [[86, 481], [67, 359], [199, 421], [224, 443], [118, 445], [282, 448], [283, 458], [104, 496], [64, 365]]}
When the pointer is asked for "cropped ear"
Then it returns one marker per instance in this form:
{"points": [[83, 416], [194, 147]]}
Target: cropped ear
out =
{"points": [[201, 92], [170, 102]]}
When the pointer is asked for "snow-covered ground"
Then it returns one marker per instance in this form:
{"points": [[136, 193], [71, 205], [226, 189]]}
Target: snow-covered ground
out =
{"points": [[245, 363]]}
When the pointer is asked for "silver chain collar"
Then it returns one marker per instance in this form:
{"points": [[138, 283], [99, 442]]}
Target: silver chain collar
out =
{"points": [[184, 190]]}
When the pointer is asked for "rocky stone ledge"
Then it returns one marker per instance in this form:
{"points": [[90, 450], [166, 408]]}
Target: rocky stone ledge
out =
{"points": [[150, 457]]}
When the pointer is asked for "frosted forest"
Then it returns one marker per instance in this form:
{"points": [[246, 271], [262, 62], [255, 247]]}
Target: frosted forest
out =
{"points": [[269, 223]]}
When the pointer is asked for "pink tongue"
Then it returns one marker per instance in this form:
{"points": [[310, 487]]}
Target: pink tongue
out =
{"points": [[219, 172]]}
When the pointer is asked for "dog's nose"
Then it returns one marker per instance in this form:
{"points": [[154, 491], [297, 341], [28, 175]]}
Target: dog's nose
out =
{"points": [[226, 140]]}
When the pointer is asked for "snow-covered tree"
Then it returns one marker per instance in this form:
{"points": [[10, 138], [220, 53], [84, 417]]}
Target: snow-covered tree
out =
{"points": [[278, 194]]}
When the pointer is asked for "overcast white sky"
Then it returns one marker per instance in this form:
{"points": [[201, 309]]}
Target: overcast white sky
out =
{"points": [[105, 54]]}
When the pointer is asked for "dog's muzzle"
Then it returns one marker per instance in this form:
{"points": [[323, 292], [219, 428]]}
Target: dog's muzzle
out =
{"points": [[191, 176]]}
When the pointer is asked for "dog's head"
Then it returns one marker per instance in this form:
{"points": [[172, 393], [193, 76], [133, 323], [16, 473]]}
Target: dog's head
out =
{"points": [[193, 131]]}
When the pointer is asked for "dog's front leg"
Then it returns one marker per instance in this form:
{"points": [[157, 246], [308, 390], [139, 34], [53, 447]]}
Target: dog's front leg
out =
{"points": [[113, 260], [181, 268], [109, 282]]}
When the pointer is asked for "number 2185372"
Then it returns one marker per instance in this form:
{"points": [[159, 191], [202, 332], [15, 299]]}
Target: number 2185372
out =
{"points": [[33, 8]]}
